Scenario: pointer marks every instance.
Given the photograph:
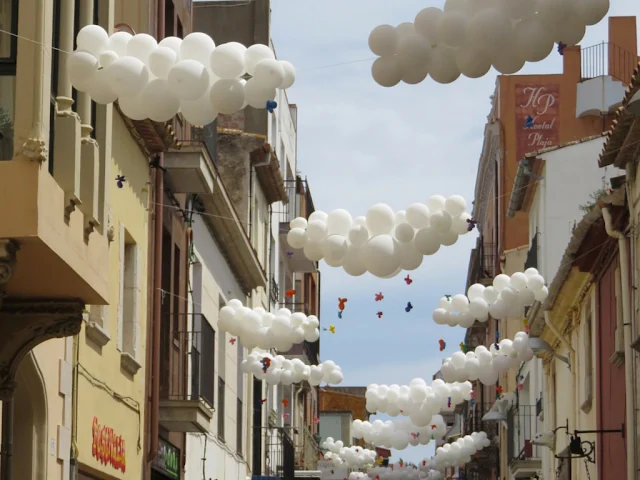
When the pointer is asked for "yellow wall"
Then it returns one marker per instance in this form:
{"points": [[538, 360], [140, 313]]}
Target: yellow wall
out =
{"points": [[101, 378]]}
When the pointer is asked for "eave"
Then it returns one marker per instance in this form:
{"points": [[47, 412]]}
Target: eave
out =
{"points": [[152, 137], [622, 144], [267, 168], [525, 185]]}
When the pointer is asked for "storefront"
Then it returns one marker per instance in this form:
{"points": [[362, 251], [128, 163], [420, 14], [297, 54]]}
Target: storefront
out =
{"points": [[166, 466]]}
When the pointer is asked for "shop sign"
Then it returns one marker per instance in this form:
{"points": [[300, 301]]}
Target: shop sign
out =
{"points": [[168, 459], [537, 117], [107, 447]]}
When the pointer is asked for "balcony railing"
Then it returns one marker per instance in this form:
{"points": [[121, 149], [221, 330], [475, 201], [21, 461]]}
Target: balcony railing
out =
{"points": [[274, 291], [279, 452], [208, 137], [186, 367], [483, 267], [522, 424], [300, 201], [473, 421], [607, 59]]}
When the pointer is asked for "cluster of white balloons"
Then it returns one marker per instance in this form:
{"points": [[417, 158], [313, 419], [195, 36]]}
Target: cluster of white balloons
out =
{"points": [[418, 401], [280, 370], [398, 434], [259, 328], [191, 76], [404, 472], [506, 298], [469, 36], [358, 476], [350, 457], [460, 452], [382, 242], [486, 364]]}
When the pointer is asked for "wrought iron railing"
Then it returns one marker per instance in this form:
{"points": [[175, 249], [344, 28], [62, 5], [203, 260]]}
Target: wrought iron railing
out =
{"points": [[307, 451], [274, 291], [187, 366], [522, 425], [279, 452], [483, 262], [473, 421], [607, 59], [300, 202]]}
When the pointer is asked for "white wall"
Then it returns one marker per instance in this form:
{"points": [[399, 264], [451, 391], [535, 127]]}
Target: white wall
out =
{"points": [[212, 278], [571, 174]]}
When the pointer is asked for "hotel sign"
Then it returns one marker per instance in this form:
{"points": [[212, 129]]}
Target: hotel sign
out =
{"points": [[168, 459], [537, 117], [107, 447]]}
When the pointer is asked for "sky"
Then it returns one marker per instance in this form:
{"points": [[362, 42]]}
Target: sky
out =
{"points": [[361, 144]]}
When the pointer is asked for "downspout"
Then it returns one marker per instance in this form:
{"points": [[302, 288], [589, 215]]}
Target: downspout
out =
{"points": [[630, 435], [157, 278]]}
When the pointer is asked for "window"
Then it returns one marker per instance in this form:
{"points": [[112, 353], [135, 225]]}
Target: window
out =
{"points": [[240, 388], [265, 237], [55, 56], [169, 18], [221, 405], [222, 346], [207, 360], [239, 428], [128, 306], [587, 360], [8, 50], [177, 293]]}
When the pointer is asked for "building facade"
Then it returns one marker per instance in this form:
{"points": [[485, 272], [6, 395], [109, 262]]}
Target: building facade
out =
{"points": [[534, 113]]}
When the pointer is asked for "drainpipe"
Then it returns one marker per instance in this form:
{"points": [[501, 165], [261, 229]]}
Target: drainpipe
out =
{"points": [[157, 278], [630, 435]]}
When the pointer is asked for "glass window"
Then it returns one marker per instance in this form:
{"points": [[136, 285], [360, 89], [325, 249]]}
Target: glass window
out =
{"points": [[8, 48]]}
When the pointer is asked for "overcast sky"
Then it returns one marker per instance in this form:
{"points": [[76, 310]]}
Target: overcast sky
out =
{"points": [[360, 144]]}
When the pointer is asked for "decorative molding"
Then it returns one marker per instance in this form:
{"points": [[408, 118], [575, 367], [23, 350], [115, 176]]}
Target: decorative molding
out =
{"points": [[129, 363], [97, 334], [27, 323], [34, 149], [8, 250]]}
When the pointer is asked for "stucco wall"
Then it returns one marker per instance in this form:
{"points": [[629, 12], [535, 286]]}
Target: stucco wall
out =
{"points": [[559, 204], [106, 390]]}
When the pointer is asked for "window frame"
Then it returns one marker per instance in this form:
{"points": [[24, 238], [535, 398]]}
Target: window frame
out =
{"points": [[221, 408], [8, 64]]}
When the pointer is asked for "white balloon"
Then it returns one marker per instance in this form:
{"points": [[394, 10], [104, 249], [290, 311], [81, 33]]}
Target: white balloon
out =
{"points": [[426, 241], [352, 263], [189, 79], [380, 219], [82, 67], [227, 61], [256, 95], [592, 11], [334, 249], [404, 233], [133, 107], [490, 31], [140, 46], [339, 222], [107, 58], [418, 215], [100, 90], [127, 76], [269, 73], [381, 255], [289, 75], [297, 238], [173, 43], [118, 42], [415, 75], [413, 51], [358, 235], [410, 257], [443, 65], [383, 40], [316, 230], [254, 55], [386, 71], [227, 96], [93, 39], [313, 251], [198, 47], [426, 23], [160, 101], [198, 112], [161, 61], [534, 42], [452, 28]]}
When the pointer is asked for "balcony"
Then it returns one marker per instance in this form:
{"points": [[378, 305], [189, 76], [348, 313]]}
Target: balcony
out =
{"points": [[483, 263], [279, 452], [300, 205], [525, 459], [192, 168], [486, 458], [307, 452], [52, 219], [605, 70], [187, 381]]}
